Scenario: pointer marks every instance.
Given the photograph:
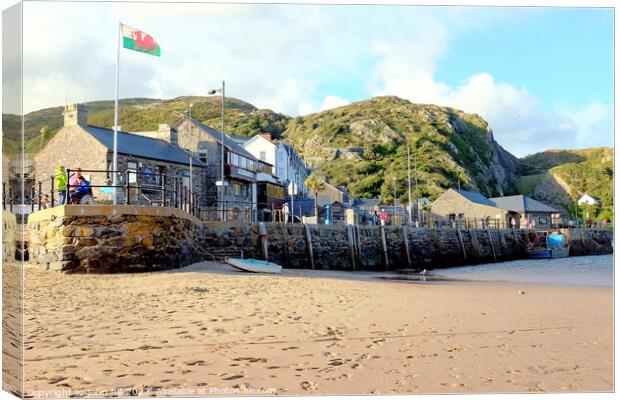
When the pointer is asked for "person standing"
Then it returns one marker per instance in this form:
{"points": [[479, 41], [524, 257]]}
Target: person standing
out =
{"points": [[60, 182], [286, 212]]}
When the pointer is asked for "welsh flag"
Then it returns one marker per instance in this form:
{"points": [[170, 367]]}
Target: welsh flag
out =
{"points": [[134, 39]]}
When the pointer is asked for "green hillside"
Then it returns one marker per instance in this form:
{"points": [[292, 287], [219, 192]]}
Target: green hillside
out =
{"points": [[144, 115], [363, 146], [562, 176]]}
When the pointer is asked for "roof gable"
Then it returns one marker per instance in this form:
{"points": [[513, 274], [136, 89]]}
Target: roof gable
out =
{"points": [[229, 143], [141, 146], [522, 204], [475, 197]]}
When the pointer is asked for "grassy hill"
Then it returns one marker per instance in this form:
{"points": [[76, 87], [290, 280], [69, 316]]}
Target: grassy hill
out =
{"points": [[363, 146], [562, 176], [143, 114]]}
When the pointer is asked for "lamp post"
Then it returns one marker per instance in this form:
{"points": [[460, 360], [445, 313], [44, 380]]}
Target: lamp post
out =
{"points": [[221, 183]]}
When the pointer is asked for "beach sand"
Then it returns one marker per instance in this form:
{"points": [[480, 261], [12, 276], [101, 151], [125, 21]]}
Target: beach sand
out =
{"points": [[208, 330]]}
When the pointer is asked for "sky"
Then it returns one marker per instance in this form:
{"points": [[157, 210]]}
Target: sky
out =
{"points": [[542, 77]]}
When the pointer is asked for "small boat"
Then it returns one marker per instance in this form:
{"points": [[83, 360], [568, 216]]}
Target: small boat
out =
{"points": [[251, 265], [555, 246]]}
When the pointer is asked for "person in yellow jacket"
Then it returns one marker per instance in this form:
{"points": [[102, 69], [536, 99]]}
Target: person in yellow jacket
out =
{"points": [[61, 184]]}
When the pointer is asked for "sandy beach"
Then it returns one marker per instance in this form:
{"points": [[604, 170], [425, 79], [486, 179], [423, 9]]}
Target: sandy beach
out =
{"points": [[208, 330]]}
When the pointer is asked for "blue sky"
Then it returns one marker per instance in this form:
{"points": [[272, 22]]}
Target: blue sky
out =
{"points": [[542, 77]]}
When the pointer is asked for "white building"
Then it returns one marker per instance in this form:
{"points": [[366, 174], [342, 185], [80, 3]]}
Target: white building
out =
{"points": [[589, 200], [288, 167]]}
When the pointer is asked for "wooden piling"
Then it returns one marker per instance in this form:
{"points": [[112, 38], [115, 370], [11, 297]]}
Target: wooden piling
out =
{"points": [[350, 239], [460, 236], [264, 241], [384, 243], [492, 245], [309, 243], [358, 246], [406, 240], [474, 242]]}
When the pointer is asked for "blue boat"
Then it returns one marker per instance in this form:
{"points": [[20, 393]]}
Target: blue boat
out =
{"points": [[555, 245]]}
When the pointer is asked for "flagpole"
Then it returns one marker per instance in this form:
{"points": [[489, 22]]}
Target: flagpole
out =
{"points": [[115, 154]]}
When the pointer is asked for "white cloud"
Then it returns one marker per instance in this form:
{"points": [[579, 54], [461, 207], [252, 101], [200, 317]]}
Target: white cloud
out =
{"points": [[333, 102], [519, 122]]}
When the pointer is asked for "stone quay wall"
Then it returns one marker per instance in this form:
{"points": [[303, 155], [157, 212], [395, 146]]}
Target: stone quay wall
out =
{"points": [[10, 236], [109, 239]]}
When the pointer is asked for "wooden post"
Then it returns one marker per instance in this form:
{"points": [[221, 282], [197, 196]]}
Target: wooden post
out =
{"points": [[406, 240], [583, 242], [384, 243], [502, 239], [458, 233], [358, 246], [262, 233], [350, 240], [309, 242], [474, 241], [492, 245]]}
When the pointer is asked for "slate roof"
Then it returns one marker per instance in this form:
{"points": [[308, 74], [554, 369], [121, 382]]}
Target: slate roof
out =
{"points": [[229, 142], [475, 198], [366, 203], [142, 146], [522, 204]]}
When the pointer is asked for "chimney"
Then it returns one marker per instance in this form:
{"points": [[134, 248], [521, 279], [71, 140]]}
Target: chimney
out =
{"points": [[266, 136], [75, 115]]}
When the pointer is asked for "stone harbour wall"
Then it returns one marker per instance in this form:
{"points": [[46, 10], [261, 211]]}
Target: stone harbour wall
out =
{"points": [[10, 236], [132, 241], [108, 239]]}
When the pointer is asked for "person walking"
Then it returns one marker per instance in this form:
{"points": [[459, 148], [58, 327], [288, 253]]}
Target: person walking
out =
{"points": [[60, 181]]}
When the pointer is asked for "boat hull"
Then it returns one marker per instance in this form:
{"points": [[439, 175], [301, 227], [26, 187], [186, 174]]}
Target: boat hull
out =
{"points": [[256, 266]]}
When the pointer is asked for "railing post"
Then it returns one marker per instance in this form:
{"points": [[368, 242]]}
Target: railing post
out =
{"points": [[52, 180], [163, 190], [127, 187], [3, 195], [11, 199], [32, 199], [68, 187], [39, 196]]}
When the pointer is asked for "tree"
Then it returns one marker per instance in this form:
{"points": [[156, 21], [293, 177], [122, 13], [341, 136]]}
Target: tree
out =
{"points": [[46, 134], [315, 184]]}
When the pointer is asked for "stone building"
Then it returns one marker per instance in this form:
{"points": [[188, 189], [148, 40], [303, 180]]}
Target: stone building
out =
{"points": [[528, 211], [240, 167], [331, 194], [79, 145], [461, 205]]}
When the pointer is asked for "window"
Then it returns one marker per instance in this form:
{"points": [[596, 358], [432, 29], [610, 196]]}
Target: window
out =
{"points": [[202, 155], [236, 189], [263, 156], [235, 159], [185, 174], [132, 169]]}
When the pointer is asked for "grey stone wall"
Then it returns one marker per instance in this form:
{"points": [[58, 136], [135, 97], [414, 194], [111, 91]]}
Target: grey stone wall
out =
{"points": [[105, 239]]}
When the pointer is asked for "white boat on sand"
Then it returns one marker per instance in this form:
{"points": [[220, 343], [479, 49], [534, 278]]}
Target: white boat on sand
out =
{"points": [[251, 265]]}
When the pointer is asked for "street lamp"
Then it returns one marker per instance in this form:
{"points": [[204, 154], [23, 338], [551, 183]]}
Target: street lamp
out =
{"points": [[221, 182]]}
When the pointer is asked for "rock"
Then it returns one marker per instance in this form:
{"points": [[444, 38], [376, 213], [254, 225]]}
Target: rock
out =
{"points": [[308, 385], [521, 292]]}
